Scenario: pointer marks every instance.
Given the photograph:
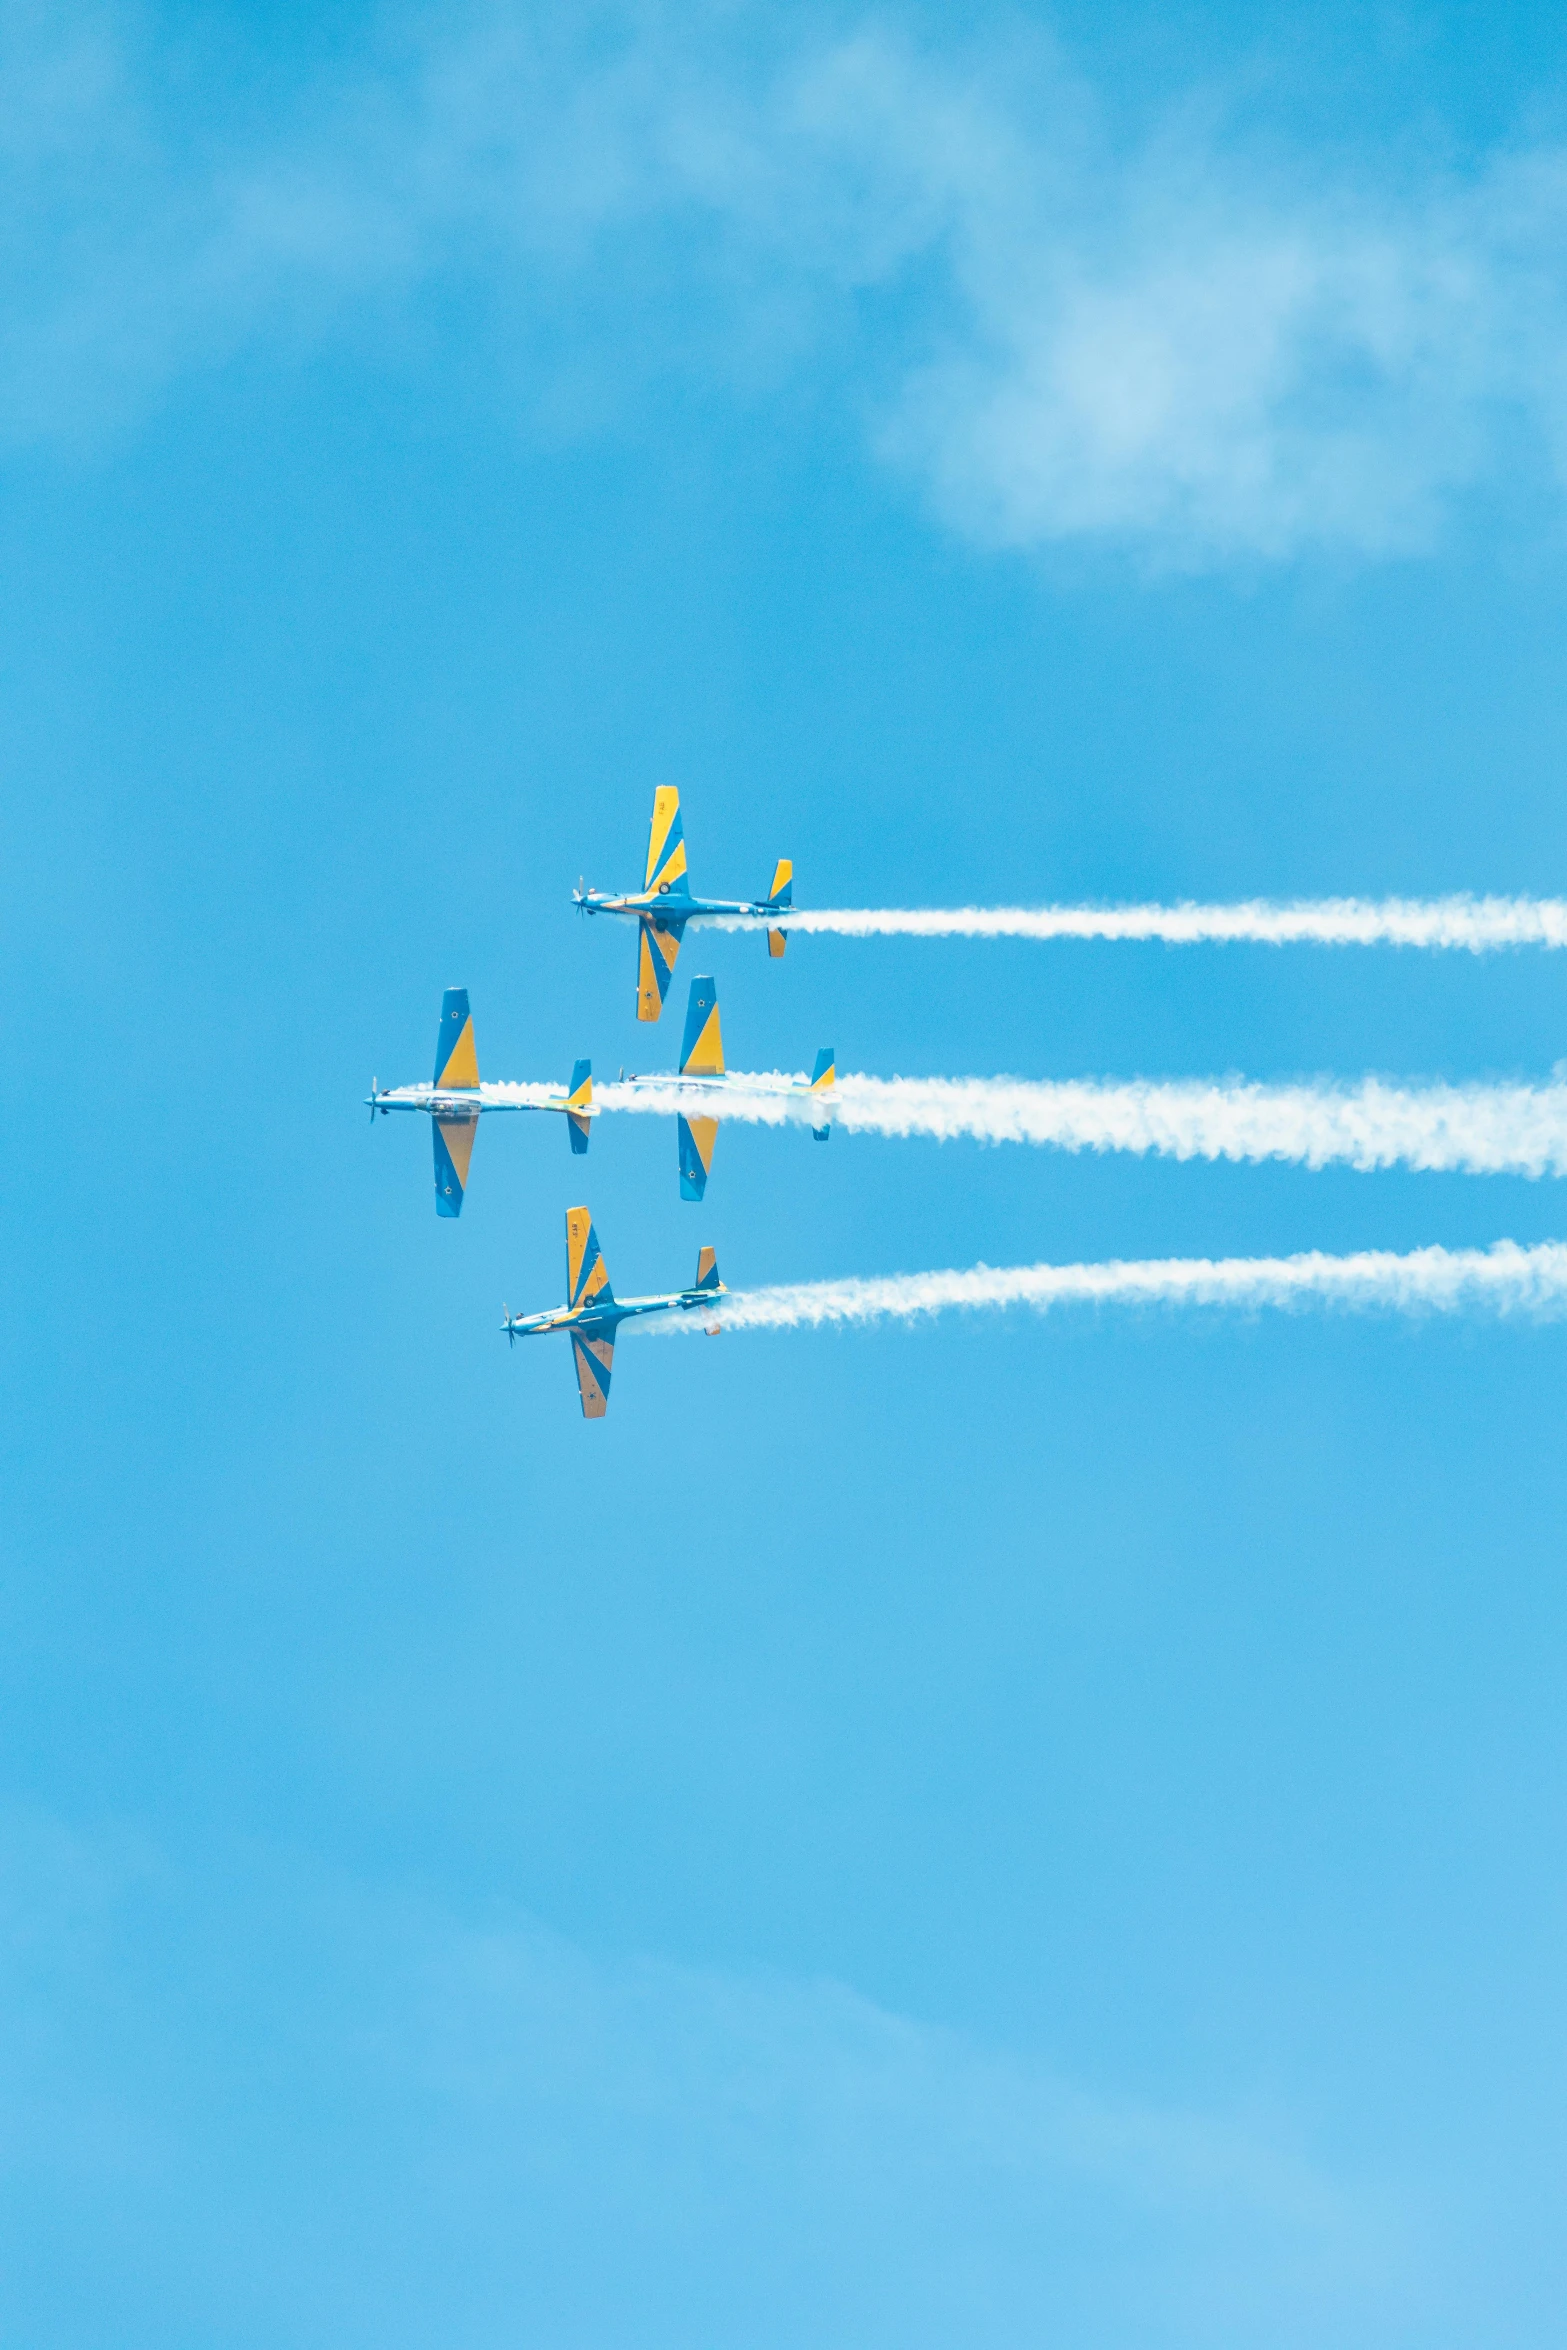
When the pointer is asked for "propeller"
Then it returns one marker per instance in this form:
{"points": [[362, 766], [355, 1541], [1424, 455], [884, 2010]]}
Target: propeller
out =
{"points": [[506, 1325], [582, 895], [375, 1090]]}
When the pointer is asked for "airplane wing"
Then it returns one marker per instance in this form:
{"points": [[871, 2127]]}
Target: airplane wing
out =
{"points": [[658, 943], [696, 1137], [666, 843], [593, 1358], [453, 1151]]}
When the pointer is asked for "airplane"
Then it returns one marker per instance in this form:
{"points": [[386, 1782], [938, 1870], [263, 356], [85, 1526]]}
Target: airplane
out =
{"points": [[456, 1100], [664, 905], [702, 1071], [593, 1313]]}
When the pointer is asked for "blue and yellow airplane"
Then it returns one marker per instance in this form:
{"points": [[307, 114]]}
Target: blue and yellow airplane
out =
{"points": [[456, 1100], [702, 1071], [593, 1313], [664, 904]]}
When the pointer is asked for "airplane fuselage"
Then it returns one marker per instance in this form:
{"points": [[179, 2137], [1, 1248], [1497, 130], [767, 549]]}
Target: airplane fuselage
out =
{"points": [[588, 1319], [445, 1101], [671, 905], [679, 1083]]}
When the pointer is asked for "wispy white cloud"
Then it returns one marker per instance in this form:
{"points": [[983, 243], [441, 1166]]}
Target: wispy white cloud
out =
{"points": [[1178, 343], [472, 2131]]}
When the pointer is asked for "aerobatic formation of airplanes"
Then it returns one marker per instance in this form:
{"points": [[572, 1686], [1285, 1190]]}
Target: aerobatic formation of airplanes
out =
{"points": [[455, 1101], [592, 1313], [664, 904]]}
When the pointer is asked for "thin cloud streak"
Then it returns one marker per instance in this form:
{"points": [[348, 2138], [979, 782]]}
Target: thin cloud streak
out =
{"points": [[1447, 1129], [1502, 1280]]}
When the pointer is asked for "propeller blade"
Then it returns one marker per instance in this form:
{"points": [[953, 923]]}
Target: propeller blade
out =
{"points": [[375, 1089], [511, 1335]]}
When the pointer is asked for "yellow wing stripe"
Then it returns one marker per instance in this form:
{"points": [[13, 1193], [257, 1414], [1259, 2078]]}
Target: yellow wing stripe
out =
{"points": [[706, 1057], [579, 1223], [458, 1134], [663, 865], [651, 981], [462, 1062], [595, 1400], [704, 1133]]}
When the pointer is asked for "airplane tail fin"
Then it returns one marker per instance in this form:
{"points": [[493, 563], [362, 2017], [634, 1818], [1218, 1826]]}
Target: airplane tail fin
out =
{"points": [[823, 1078], [666, 846], [707, 1281], [702, 1049], [587, 1277], [456, 1062], [780, 896], [578, 1102]]}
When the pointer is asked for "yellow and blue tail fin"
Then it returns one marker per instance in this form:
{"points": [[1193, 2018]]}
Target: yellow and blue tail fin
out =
{"points": [[707, 1282], [587, 1277], [780, 896], [456, 1061], [823, 1078], [579, 1101]]}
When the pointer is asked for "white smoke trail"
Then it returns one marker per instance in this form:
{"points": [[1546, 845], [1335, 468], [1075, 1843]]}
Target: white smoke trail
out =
{"points": [[1505, 1279], [1469, 1129], [1478, 924], [1473, 1129]]}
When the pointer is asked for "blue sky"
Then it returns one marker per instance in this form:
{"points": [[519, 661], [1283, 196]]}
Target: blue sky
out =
{"points": [[1003, 1830]]}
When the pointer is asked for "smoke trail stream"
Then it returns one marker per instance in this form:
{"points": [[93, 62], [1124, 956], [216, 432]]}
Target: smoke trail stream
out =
{"points": [[1468, 1129], [1501, 1280], [1478, 924]]}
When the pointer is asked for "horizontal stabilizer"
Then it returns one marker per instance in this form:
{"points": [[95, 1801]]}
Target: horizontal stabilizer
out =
{"points": [[823, 1078], [778, 897], [578, 1102]]}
